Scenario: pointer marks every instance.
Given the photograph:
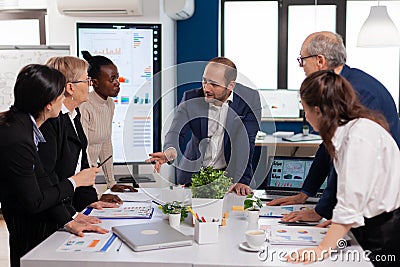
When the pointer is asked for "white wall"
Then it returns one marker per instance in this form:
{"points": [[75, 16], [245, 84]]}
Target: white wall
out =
{"points": [[62, 31]]}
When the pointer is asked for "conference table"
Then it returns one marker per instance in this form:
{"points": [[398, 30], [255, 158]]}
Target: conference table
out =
{"points": [[224, 253]]}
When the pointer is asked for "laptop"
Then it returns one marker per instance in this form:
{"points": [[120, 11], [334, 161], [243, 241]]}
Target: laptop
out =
{"points": [[149, 236], [286, 177]]}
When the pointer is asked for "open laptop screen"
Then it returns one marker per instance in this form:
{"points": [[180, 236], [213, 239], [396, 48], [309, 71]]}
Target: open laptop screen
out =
{"points": [[289, 173]]}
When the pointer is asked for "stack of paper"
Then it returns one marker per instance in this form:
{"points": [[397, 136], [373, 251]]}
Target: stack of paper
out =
{"points": [[280, 211]]}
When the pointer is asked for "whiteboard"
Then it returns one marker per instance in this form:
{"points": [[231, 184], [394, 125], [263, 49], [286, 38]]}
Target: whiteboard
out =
{"points": [[280, 103], [12, 59]]}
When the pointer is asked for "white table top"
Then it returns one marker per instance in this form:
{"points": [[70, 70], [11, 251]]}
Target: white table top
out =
{"points": [[225, 253]]}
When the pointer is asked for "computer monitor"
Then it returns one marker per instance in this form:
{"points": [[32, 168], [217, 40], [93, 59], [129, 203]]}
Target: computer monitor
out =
{"points": [[280, 103], [136, 51]]}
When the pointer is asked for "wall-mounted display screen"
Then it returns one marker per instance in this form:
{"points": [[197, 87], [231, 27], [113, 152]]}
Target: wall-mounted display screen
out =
{"points": [[136, 51]]}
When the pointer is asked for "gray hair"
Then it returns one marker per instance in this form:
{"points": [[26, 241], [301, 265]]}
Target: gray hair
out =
{"points": [[330, 45]]}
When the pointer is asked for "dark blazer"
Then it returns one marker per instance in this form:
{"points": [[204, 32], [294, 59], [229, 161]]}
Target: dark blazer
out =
{"points": [[60, 154], [242, 124], [26, 192]]}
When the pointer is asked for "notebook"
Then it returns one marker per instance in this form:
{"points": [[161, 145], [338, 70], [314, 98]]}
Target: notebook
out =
{"points": [[149, 236], [286, 177]]}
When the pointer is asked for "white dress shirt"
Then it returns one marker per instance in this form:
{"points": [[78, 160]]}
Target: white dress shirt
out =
{"points": [[214, 154], [368, 169]]}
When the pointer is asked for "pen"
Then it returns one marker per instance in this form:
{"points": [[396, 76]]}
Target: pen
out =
{"points": [[197, 217], [202, 219], [119, 247], [101, 164], [156, 202], [191, 211]]}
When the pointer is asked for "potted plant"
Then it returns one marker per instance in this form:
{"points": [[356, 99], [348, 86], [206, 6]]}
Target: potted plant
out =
{"points": [[176, 212], [306, 129], [209, 187], [252, 204], [210, 183]]}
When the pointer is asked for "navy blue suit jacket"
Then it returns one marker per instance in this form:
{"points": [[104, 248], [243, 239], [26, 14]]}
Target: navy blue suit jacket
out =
{"points": [[373, 95], [242, 124]]}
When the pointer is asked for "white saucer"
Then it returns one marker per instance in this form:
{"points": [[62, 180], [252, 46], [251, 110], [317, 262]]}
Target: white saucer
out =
{"points": [[246, 247]]}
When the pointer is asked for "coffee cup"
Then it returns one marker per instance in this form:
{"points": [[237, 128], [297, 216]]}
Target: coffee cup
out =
{"points": [[255, 238]]}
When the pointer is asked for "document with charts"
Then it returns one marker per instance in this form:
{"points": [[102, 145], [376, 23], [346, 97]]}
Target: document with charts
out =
{"points": [[128, 210], [296, 235], [279, 211], [90, 242]]}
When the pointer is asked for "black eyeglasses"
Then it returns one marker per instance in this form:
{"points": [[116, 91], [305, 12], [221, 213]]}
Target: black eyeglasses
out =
{"points": [[88, 81], [301, 59]]}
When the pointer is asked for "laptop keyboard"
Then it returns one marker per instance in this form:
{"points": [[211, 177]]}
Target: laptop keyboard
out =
{"points": [[282, 193]]}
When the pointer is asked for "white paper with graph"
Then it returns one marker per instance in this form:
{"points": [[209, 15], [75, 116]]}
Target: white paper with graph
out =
{"points": [[280, 211], [129, 210]]}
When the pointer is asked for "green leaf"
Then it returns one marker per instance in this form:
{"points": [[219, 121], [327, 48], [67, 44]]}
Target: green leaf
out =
{"points": [[210, 183]]}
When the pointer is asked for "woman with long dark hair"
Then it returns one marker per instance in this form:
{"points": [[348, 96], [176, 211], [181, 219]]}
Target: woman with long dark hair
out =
{"points": [[27, 196], [366, 159]]}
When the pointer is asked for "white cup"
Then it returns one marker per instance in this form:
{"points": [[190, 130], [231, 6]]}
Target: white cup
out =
{"points": [[253, 216], [255, 238]]}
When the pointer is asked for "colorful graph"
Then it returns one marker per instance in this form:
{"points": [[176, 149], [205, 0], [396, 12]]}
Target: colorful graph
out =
{"points": [[147, 73], [281, 231], [140, 100], [123, 79], [106, 51], [303, 232], [137, 39], [115, 100], [124, 100]]}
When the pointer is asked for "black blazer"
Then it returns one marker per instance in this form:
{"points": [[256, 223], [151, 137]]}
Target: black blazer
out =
{"points": [[60, 156], [26, 193], [24, 185]]}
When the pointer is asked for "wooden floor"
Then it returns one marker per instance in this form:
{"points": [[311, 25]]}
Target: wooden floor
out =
{"points": [[4, 251]]}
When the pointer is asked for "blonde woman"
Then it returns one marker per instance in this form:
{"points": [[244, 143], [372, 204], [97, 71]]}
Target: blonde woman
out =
{"points": [[64, 152]]}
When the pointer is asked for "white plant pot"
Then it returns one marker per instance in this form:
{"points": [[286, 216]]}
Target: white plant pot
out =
{"points": [[174, 219], [252, 216]]}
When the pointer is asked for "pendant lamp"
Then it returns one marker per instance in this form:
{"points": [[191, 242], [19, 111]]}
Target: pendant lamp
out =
{"points": [[378, 30]]}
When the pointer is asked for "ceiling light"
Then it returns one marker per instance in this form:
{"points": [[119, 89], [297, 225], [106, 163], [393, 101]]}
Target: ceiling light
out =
{"points": [[378, 30]]}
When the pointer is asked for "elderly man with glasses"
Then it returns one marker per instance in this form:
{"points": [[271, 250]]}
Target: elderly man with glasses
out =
{"points": [[223, 119], [324, 51]]}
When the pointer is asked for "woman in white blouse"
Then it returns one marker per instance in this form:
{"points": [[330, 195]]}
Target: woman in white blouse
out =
{"points": [[366, 159]]}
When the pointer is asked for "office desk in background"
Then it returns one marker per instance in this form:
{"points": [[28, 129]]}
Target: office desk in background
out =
{"points": [[225, 253], [279, 147]]}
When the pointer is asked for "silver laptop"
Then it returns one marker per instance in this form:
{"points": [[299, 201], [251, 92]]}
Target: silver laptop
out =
{"points": [[286, 177], [149, 236]]}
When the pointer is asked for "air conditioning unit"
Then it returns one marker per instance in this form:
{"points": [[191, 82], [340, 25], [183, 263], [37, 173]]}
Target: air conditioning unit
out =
{"points": [[97, 8], [179, 9]]}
